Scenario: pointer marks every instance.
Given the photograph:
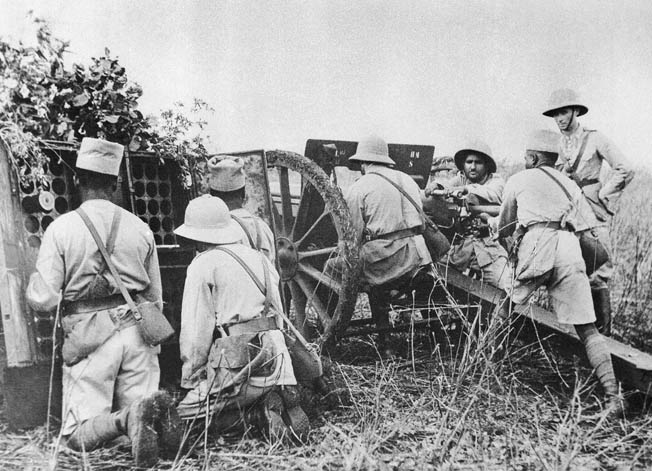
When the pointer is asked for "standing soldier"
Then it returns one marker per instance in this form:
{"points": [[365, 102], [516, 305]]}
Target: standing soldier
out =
{"points": [[227, 182], [477, 182], [233, 353], [388, 226], [582, 153], [543, 203], [110, 376]]}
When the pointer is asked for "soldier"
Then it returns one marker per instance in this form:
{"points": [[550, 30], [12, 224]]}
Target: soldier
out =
{"points": [[110, 376], [477, 182], [549, 254], [227, 182], [233, 353], [388, 226], [582, 154]]}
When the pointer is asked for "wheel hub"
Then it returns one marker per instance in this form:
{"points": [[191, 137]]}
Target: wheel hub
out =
{"points": [[288, 258]]}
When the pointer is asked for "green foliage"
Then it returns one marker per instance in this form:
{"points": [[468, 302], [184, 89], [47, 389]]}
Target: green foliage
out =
{"points": [[179, 131], [41, 100]]}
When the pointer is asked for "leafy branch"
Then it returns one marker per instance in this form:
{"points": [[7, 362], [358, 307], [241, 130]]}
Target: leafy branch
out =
{"points": [[40, 99]]}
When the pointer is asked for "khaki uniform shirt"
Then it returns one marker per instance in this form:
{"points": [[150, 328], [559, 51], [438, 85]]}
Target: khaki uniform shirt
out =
{"points": [[69, 258], [491, 190], [378, 208], [531, 197], [598, 149], [219, 291], [259, 232]]}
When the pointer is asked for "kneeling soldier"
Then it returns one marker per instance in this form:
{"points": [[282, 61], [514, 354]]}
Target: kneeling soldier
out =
{"points": [[233, 351], [110, 375], [549, 253]]}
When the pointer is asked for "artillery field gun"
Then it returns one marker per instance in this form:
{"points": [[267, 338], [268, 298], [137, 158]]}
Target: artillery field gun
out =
{"points": [[300, 197]]}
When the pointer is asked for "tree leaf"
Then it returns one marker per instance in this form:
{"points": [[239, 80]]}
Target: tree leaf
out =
{"points": [[112, 119], [80, 100]]}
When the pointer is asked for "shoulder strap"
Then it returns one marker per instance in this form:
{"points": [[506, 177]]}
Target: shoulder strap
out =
{"points": [[576, 164], [109, 263], [246, 231], [425, 219], [259, 242], [554, 179], [262, 286], [110, 240]]}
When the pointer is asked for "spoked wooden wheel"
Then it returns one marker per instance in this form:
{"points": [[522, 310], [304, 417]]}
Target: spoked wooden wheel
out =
{"points": [[316, 247]]}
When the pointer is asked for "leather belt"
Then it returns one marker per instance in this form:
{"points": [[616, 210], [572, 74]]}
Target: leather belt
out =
{"points": [[95, 304], [260, 324], [546, 225], [396, 235]]}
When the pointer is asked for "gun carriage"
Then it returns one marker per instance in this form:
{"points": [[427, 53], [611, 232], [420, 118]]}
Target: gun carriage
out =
{"points": [[317, 255]]}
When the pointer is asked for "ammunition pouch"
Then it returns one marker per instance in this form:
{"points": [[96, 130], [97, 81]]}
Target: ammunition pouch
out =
{"points": [[85, 333], [231, 355]]}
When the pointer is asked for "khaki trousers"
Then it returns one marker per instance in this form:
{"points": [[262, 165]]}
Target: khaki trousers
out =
{"points": [[120, 371]]}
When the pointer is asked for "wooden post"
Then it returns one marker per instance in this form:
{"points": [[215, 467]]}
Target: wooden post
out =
{"points": [[19, 336]]}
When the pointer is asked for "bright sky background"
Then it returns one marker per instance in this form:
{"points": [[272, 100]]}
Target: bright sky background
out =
{"points": [[422, 72]]}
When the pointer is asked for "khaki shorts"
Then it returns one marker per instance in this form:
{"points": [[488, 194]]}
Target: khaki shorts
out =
{"points": [[567, 284]]}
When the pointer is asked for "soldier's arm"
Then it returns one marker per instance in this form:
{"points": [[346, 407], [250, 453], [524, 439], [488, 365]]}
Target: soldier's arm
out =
{"points": [[491, 190], [622, 172], [505, 223], [197, 325], [45, 283], [355, 202], [154, 291]]}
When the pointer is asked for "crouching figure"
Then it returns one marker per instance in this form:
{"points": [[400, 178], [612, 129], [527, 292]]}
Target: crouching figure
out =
{"points": [[235, 360], [110, 373]]}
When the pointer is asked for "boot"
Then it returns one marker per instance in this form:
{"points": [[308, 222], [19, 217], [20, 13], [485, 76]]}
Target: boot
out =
{"points": [[602, 307], [293, 415], [140, 422], [169, 426], [95, 432], [270, 418], [600, 360]]}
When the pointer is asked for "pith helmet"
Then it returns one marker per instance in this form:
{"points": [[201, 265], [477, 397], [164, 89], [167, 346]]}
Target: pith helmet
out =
{"points": [[226, 173], [98, 155], [543, 140], [208, 220], [372, 149], [477, 147], [563, 98]]}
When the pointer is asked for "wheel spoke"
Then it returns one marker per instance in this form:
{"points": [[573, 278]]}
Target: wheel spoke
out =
{"points": [[312, 228], [299, 299], [314, 301], [286, 199], [317, 252], [320, 277]]}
